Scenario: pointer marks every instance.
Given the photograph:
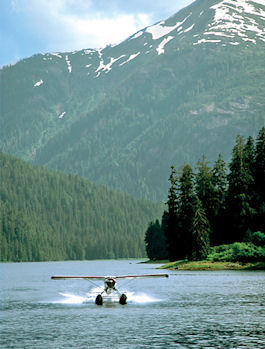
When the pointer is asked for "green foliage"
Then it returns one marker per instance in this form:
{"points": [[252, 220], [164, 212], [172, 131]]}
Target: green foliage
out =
{"points": [[220, 184], [171, 223], [200, 233], [238, 251], [17, 236], [207, 190], [259, 176], [240, 200], [155, 241], [186, 211], [222, 209], [51, 216], [257, 238]]}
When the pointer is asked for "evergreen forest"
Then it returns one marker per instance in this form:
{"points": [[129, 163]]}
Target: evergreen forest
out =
{"points": [[47, 215], [215, 213]]}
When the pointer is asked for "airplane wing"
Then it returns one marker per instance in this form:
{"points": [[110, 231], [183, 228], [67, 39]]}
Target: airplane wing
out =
{"points": [[141, 276], [63, 277]]}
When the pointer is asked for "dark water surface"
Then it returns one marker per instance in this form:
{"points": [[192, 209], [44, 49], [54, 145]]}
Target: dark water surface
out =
{"points": [[222, 309]]}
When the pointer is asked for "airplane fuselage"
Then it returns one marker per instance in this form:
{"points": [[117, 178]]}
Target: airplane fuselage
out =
{"points": [[109, 285]]}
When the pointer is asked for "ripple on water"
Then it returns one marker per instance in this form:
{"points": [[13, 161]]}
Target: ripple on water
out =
{"points": [[188, 310]]}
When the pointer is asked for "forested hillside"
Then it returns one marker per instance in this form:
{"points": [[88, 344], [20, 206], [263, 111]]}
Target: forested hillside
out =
{"points": [[122, 115], [52, 216], [211, 206]]}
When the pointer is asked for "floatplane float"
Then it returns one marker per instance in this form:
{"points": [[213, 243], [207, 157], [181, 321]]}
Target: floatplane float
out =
{"points": [[110, 282]]}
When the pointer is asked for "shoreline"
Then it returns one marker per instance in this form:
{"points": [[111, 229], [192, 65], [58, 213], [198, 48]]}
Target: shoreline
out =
{"points": [[207, 265]]}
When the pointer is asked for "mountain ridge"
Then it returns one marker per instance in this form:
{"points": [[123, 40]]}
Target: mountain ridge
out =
{"points": [[169, 93]]}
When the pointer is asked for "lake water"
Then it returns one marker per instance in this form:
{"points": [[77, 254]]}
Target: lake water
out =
{"points": [[222, 309]]}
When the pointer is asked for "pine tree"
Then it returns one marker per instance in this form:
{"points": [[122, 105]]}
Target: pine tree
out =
{"points": [[205, 189], [155, 242], [201, 231], [186, 212], [239, 210], [164, 225], [171, 231], [47, 215], [259, 176], [249, 166], [220, 190], [220, 183]]}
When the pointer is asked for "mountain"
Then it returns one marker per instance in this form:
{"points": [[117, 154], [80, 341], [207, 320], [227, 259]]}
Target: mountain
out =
{"points": [[122, 115], [47, 215]]}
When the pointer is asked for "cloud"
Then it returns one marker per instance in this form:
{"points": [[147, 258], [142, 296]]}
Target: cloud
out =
{"points": [[37, 26], [107, 30], [76, 24], [99, 30]]}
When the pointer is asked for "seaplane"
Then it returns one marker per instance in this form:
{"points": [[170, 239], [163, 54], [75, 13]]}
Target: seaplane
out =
{"points": [[110, 282]]}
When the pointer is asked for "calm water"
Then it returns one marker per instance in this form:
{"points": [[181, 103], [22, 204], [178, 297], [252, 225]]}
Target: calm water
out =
{"points": [[224, 309]]}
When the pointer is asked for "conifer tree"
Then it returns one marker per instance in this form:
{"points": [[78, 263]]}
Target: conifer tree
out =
{"points": [[164, 225], [200, 234], [220, 183], [48, 215], [249, 155], [249, 165], [155, 242], [259, 176], [164, 221], [239, 207], [171, 231], [186, 212], [205, 189], [220, 190]]}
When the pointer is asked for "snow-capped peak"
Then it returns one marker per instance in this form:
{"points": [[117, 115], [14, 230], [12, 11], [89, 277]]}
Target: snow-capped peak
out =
{"points": [[215, 22], [239, 20]]}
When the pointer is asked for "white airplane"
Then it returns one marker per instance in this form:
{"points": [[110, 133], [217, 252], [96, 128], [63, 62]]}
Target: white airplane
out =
{"points": [[109, 284]]}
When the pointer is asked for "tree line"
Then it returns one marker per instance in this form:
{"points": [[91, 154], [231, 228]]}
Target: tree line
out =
{"points": [[48, 215], [213, 206]]}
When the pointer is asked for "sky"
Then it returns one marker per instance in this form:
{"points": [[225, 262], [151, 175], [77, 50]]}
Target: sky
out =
{"points": [[29, 27]]}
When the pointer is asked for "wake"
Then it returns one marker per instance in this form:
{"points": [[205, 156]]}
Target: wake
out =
{"points": [[132, 297]]}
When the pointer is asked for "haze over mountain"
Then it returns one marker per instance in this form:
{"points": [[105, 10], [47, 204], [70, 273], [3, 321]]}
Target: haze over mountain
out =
{"points": [[48, 215], [121, 115]]}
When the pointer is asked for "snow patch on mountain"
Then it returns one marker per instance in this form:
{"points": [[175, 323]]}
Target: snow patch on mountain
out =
{"points": [[228, 17], [68, 64], [130, 58], [38, 83], [223, 8], [188, 29], [233, 19], [62, 115], [99, 53], [202, 41], [56, 55], [219, 34], [232, 22], [106, 67], [88, 52], [160, 48], [260, 2], [159, 30]]}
